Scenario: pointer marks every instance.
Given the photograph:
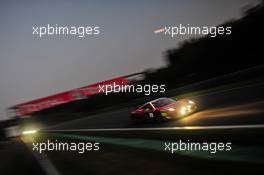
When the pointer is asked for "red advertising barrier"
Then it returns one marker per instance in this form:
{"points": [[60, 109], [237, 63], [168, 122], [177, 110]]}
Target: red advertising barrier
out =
{"points": [[65, 97]]}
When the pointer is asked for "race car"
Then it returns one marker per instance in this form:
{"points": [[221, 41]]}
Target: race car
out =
{"points": [[163, 109]]}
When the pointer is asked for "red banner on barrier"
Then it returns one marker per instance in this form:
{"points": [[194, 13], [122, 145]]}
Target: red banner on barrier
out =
{"points": [[65, 97]]}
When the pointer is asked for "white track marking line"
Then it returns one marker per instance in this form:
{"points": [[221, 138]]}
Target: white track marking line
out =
{"points": [[43, 161], [46, 164], [165, 128]]}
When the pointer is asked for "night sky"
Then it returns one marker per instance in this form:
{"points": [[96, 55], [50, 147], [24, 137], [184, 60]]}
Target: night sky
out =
{"points": [[32, 67]]}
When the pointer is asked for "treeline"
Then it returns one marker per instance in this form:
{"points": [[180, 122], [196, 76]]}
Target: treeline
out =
{"points": [[206, 57]]}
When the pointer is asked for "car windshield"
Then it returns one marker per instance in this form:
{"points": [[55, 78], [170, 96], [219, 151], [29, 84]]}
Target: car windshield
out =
{"points": [[162, 102]]}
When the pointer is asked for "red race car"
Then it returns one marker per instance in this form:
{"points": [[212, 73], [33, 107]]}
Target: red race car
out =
{"points": [[163, 109]]}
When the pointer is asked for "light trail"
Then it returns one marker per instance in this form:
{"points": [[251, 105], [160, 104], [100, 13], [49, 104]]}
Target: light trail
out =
{"points": [[159, 30], [165, 128]]}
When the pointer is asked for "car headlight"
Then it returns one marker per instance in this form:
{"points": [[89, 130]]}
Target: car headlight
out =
{"points": [[191, 102], [189, 107], [29, 132], [183, 110], [171, 109], [164, 114]]}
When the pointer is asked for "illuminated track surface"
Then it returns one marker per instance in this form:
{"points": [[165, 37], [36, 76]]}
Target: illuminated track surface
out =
{"points": [[234, 106], [234, 115], [246, 114]]}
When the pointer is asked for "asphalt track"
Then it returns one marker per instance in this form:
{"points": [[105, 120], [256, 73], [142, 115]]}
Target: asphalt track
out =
{"points": [[232, 114], [234, 106]]}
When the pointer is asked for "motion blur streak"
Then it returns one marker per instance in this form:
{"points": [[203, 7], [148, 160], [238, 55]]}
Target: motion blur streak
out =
{"points": [[165, 128], [230, 111]]}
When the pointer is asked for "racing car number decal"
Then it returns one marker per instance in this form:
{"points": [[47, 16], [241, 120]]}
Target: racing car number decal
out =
{"points": [[151, 115]]}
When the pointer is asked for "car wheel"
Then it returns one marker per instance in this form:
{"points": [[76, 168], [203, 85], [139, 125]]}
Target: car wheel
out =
{"points": [[158, 116], [134, 120]]}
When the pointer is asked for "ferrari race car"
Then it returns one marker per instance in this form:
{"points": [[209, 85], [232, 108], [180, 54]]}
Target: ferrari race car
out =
{"points": [[163, 109]]}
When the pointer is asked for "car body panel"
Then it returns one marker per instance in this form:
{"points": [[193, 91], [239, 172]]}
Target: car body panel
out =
{"points": [[172, 109]]}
